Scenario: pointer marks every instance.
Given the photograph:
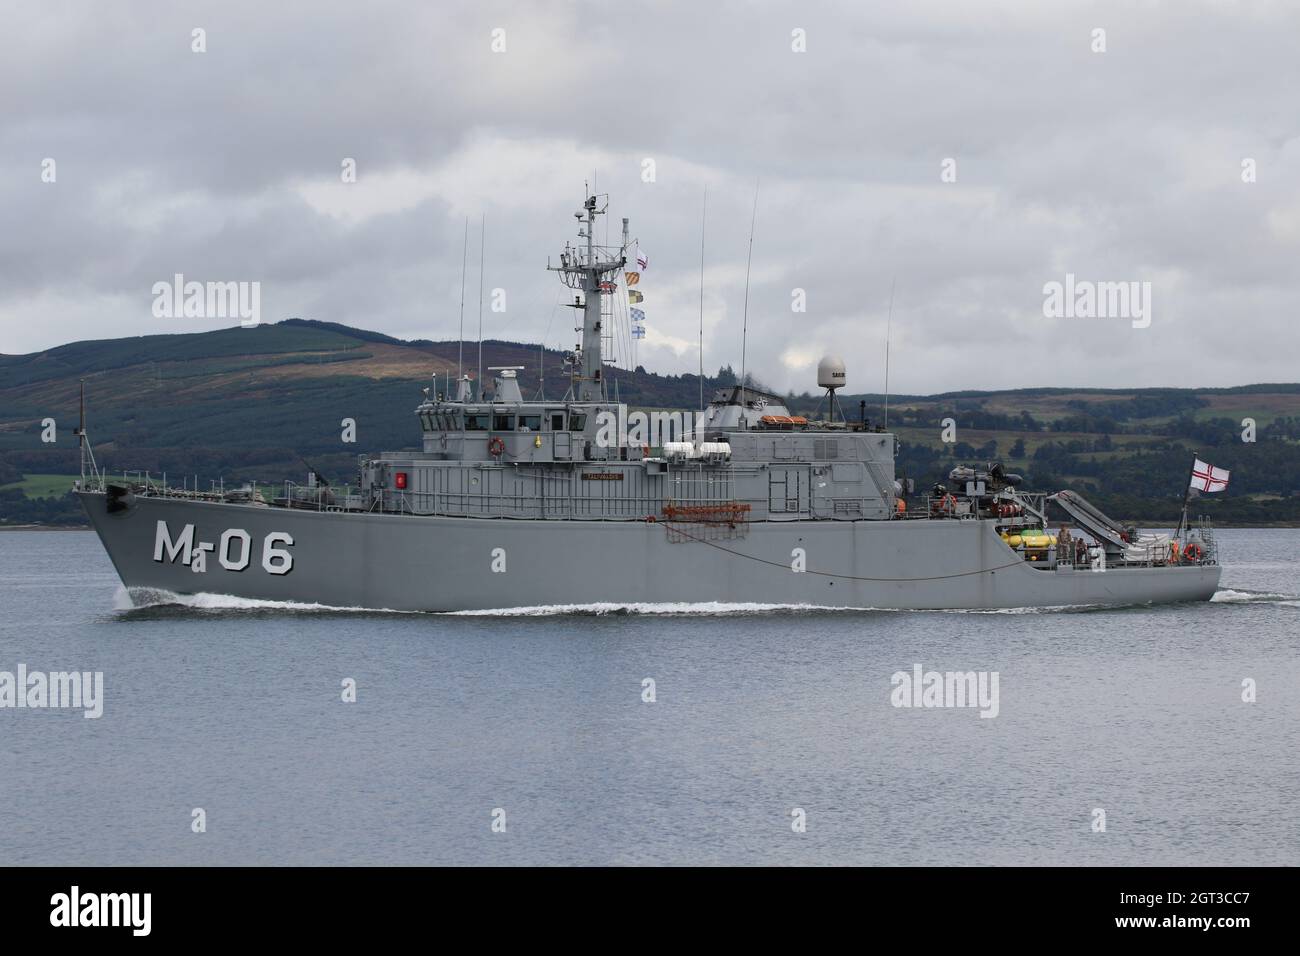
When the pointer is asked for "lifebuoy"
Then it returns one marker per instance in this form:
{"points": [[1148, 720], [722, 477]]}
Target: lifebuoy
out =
{"points": [[1193, 551], [496, 445], [948, 503]]}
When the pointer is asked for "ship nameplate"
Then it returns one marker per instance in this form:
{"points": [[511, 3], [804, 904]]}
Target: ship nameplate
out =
{"points": [[602, 476]]}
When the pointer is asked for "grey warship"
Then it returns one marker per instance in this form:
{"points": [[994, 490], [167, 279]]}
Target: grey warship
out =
{"points": [[511, 503]]}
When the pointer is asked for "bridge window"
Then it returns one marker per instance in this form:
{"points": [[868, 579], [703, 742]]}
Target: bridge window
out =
{"points": [[503, 423], [557, 421], [476, 423], [577, 422], [530, 423]]}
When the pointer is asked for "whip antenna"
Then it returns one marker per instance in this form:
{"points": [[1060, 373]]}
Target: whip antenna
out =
{"points": [[464, 261], [703, 215], [889, 322], [744, 327], [482, 244]]}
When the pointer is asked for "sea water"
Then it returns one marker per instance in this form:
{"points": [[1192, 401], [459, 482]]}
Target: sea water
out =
{"points": [[672, 734]]}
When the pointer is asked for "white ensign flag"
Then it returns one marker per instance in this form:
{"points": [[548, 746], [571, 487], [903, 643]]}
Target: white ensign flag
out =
{"points": [[1206, 477]]}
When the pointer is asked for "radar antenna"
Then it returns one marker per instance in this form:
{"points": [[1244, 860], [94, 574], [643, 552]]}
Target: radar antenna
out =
{"points": [[831, 376]]}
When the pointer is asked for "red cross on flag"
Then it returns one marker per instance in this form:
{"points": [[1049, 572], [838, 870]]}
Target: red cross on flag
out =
{"points": [[1206, 477]]}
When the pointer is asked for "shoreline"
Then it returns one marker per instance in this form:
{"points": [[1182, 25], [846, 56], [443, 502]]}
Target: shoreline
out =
{"points": [[1145, 525], [45, 527]]}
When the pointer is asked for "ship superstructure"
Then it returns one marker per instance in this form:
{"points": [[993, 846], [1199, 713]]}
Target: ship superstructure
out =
{"points": [[511, 502]]}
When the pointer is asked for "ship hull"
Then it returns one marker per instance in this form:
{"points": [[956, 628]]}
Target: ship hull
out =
{"points": [[413, 563]]}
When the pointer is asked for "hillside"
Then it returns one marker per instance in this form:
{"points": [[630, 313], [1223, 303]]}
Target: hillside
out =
{"points": [[254, 403]]}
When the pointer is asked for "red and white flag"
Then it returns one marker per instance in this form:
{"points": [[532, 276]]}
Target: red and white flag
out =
{"points": [[1206, 477]]}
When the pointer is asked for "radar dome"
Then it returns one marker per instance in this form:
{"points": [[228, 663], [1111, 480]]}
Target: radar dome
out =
{"points": [[830, 372]]}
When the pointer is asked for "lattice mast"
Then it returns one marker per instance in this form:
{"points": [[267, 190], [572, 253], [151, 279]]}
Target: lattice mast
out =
{"points": [[584, 268]]}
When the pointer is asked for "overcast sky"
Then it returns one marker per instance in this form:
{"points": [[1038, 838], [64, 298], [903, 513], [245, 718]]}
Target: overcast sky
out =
{"points": [[1116, 166]]}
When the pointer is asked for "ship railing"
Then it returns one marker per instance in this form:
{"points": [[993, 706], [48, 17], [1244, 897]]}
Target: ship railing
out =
{"points": [[1146, 554], [1149, 555], [320, 497], [140, 482], [1202, 533], [383, 501], [93, 480], [466, 504], [304, 496], [959, 506], [930, 506], [145, 484], [1073, 557], [1205, 531]]}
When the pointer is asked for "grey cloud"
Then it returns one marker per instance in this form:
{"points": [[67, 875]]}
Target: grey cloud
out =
{"points": [[1120, 166]]}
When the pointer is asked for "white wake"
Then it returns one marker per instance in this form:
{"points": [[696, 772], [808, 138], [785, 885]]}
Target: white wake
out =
{"points": [[135, 599], [1231, 596], [724, 609]]}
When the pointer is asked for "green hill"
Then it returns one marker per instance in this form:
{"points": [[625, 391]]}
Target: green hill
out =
{"points": [[254, 403]]}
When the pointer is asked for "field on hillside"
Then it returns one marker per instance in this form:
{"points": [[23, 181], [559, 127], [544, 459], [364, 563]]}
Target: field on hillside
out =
{"points": [[41, 486]]}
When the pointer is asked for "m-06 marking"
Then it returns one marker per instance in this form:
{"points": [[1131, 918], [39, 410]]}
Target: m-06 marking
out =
{"points": [[234, 549]]}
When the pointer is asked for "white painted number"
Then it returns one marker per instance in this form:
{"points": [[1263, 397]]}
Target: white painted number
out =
{"points": [[277, 560], [245, 546]]}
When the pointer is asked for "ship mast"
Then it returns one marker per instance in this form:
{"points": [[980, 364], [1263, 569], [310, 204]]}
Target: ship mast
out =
{"points": [[81, 433], [87, 450], [584, 268]]}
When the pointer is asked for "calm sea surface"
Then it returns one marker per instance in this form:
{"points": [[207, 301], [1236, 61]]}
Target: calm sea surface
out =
{"points": [[238, 711]]}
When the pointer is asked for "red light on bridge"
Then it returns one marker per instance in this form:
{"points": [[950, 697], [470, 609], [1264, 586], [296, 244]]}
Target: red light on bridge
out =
{"points": [[400, 480]]}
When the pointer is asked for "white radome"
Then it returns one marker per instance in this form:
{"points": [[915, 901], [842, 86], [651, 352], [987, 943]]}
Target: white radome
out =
{"points": [[830, 372]]}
